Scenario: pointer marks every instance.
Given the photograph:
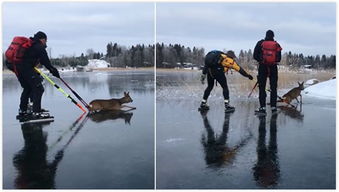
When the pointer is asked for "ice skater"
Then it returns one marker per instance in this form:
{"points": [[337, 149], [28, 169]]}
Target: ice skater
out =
{"points": [[216, 64]]}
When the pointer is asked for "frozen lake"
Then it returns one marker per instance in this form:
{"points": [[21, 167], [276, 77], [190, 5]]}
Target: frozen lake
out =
{"points": [[73, 152], [294, 149]]}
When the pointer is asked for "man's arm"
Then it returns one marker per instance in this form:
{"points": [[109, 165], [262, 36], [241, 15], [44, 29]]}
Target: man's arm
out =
{"points": [[241, 70], [44, 60], [257, 53], [278, 59], [230, 63]]}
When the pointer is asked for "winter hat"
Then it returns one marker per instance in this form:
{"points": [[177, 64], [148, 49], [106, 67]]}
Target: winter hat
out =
{"points": [[40, 35], [269, 34], [231, 54]]}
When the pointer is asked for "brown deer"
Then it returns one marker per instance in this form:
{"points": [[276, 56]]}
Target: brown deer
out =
{"points": [[110, 104], [293, 94]]}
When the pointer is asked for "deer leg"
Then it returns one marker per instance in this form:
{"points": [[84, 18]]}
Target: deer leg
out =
{"points": [[301, 98], [290, 104], [297, 99], [128, 106], [127, 110]]}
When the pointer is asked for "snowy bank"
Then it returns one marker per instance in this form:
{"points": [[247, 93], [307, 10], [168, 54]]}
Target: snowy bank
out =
{"points": [[311, 82], [96, 63], [324, 90]]}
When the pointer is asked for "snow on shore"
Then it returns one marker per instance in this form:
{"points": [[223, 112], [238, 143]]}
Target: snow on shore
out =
{"points": [[311, 82], [96, 63], [324, 90]]}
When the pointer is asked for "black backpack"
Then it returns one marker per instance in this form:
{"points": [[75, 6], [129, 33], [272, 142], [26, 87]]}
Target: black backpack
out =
{"points": [[212, 59]]}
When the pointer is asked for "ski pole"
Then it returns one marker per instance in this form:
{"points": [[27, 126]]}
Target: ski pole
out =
{"points": [[75, 133], [255, 85], [59, 88], [59, 155], [65, 132], [78, 96]]}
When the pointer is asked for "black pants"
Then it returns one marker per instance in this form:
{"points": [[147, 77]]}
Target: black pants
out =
{"points": [[32, 88], [219, 75], [271, 72]]}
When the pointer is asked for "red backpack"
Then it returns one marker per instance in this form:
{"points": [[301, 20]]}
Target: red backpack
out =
{"points": [[16, 50], [269, 52]]}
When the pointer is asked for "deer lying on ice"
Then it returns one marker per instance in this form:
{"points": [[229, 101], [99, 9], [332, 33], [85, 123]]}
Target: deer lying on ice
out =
{"points": [[110, 104]]}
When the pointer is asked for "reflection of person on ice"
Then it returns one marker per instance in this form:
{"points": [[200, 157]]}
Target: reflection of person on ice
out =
{"points": [[34, 170], [29, 79], [266, 171], [217, 153], [216, 64]]}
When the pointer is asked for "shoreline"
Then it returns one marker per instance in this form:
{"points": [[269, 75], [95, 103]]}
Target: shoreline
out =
{"points": [[333, 71], [7, 71]]}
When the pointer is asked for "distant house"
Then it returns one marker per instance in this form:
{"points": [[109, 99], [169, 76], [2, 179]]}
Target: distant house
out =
{"points": [[80, 68]]}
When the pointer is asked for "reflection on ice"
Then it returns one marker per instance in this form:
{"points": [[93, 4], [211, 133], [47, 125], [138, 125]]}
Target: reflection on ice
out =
{"points": [[266, 171], [34, 171], [217, 152], [102, 116], [74, 152], [241, 151], [174, 140], [293, 112]]}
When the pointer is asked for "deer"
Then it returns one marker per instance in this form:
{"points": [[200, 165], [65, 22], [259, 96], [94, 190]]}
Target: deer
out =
{"points": [[110, 104], [293, 94]]}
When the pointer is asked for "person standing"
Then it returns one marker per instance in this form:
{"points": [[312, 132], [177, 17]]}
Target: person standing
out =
{"points": [[268, 53], [30, 80], [216, 64]]}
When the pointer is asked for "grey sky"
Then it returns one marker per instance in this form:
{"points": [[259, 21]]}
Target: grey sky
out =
{"points": [[308, 28], [72, 28]]}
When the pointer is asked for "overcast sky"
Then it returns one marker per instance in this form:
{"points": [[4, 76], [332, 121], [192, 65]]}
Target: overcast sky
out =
{"points": [[308, 28], [72, 28]]}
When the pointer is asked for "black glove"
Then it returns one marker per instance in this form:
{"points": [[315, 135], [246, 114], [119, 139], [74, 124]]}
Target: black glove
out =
{"points": [[250, 77], [202, 78], [55, 72]]}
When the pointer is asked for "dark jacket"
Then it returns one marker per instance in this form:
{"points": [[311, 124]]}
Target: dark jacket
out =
{"points": [[257, 54], [34, 55], [212, 60], [219, 62]]}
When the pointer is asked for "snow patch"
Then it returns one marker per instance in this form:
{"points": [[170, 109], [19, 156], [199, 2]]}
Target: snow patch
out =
{"points": [[173, 140], [96, 63], [311, 82], [324, 90]]}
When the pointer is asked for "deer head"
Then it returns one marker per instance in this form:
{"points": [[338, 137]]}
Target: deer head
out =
{"points": [[301, 85], [127, 98]]}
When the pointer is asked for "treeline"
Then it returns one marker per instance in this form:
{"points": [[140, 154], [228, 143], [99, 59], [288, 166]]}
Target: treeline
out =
{"points": [[116, 55], [136, 56], [176, 55], [170, 56], [70, 61]]}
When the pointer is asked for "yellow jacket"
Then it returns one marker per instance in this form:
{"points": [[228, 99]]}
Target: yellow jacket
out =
{"points": [[229, 63]]}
